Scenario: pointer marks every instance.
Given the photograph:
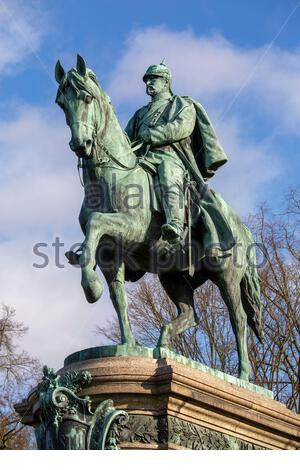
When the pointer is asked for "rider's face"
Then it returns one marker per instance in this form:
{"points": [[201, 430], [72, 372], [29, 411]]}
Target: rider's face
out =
{"points": [[155, 85]]}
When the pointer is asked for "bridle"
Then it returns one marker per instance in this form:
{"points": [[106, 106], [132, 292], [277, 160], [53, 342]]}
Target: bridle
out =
{"points": [[98, 144]]}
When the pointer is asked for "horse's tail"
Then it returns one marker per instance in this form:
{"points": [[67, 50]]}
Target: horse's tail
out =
{"points": [[250, 293]]}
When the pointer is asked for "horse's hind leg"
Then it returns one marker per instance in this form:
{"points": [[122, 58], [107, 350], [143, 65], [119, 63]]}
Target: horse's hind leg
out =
{"points": [[115, 279], [231, 294], [181, 293]]}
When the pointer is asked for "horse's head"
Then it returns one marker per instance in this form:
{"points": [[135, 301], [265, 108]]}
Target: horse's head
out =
{"points": [[78, 95]]}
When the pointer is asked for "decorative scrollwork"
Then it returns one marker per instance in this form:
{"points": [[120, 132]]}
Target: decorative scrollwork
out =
{"points": [[66, 421]]}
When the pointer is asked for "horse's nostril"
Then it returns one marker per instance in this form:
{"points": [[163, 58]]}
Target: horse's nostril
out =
{"points": [[88, 143]]}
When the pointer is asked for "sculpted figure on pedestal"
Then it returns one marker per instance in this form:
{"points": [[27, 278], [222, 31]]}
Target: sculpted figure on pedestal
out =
{"points": [[130, 229], [178, 140]]}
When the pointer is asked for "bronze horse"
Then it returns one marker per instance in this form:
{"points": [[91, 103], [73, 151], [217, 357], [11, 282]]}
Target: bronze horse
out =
{"points": [[122, 236]]}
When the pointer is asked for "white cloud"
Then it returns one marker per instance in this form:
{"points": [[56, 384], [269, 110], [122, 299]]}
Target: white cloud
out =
{"points": [[22, 26], [39, 182], [213, 71], [251, 166], [199, 65], [211, 68]]}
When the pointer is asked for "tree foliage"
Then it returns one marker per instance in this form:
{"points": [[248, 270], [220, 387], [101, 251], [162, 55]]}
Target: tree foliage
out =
{"points": [[18, 372]]}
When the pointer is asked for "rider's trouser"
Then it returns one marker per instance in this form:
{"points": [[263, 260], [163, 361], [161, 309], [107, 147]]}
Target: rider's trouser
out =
{"points": [[171, 178]]}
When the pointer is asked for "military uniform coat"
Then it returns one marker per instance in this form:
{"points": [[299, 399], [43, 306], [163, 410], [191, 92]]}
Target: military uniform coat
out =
{"points": [[174, 125]]}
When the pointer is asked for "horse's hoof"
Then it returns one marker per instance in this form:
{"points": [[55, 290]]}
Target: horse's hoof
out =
{"points": [[163, 341], [244, 376], [245, 373], [131, 343], [92, 286], [72, 257]]}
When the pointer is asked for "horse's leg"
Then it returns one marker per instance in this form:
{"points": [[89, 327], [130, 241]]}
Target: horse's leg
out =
{"points": [[231, 294], [98, 225], [90, 281], [182, 294], [115, 279]]}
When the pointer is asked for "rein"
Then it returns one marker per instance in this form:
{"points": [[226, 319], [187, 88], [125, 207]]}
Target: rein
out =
{"points": [[101, 162], [98, 144]]}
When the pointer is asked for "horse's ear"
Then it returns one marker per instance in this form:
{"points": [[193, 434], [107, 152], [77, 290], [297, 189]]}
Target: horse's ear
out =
{"points": [[81, 67], [59, 72]]}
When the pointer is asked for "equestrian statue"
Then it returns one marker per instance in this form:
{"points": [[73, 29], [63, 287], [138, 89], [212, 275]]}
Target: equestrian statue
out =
{"points": [[147, 206]]}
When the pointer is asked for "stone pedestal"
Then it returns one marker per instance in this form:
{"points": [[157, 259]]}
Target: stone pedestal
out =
{"points": [[175, 403]]}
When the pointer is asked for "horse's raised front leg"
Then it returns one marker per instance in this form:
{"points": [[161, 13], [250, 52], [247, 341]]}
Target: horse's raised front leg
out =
{"points": [[182, 294], [115, 278], [98, 225], [90, 281]]}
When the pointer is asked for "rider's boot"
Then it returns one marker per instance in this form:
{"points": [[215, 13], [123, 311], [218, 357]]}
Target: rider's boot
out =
{"points": [[172, 230], [173, 203]]}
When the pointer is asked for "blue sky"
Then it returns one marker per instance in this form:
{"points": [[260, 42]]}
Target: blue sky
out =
{"points": [[240, 59]]}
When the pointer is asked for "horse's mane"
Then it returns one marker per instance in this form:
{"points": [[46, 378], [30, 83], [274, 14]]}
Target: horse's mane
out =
{"points": [[78, 82]]}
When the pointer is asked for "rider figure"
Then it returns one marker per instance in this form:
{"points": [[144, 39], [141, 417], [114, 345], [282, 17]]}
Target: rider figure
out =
{"points": [[159, 124], [179, 137]]}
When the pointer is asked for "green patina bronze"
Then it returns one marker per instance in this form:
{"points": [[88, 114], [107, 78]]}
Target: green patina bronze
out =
{"points": [[67, 422], [151, 211]]}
